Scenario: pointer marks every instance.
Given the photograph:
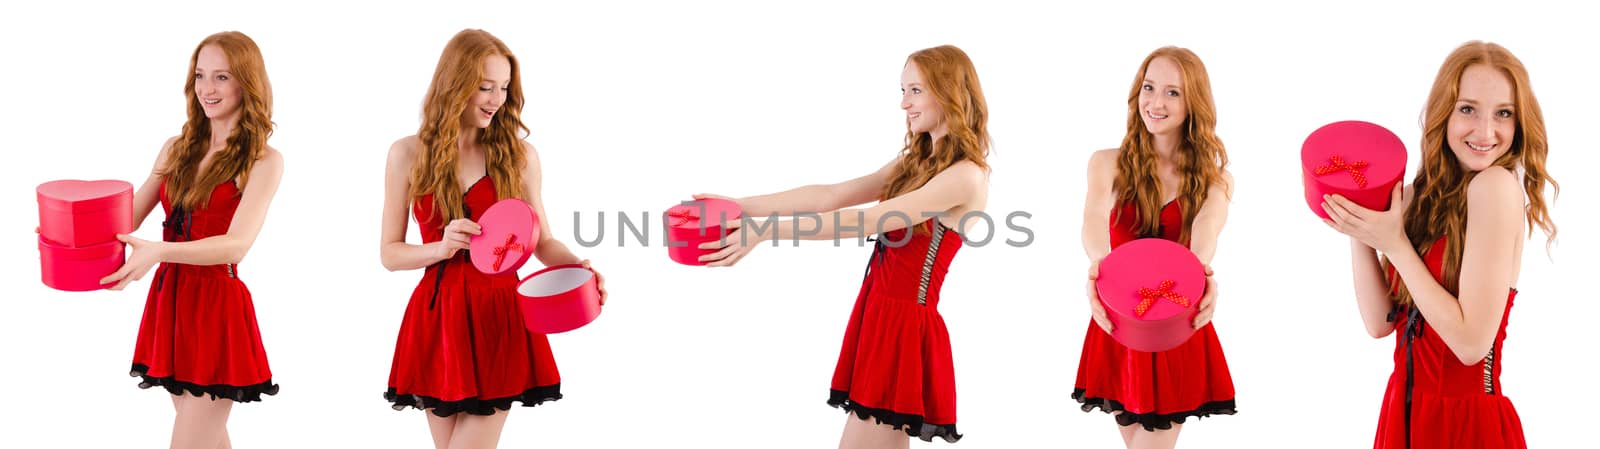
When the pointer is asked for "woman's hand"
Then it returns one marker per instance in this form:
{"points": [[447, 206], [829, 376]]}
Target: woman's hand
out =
{"points": [[145, 254], [1381, 230], [732, 247], [1096, 309], [599, 281], [457, 236], [1208, 302]]}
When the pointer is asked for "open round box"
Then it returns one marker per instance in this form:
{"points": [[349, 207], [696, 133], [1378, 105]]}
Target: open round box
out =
{"points": [[559, 298]]}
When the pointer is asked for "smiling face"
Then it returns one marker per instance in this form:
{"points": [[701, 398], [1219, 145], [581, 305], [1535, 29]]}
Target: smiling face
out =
{"points": [[215, 85], [1161, 97], [1483, 123], [490, 93], [923, 113]]}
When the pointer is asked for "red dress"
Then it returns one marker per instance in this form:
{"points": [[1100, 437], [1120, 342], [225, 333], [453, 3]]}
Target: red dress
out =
{"points": [[895, 364], [1452, 405], [199, 333], [1153, 389], [462, 344]]}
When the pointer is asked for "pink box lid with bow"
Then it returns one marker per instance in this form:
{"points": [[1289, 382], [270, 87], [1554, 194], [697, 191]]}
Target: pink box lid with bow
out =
{"points": [[1359, 160], [1151, 289], [510, 233]]}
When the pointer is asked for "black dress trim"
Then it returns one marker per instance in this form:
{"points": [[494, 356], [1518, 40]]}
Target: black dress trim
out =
{"points": [[250, 393], [913, 425], [473, 406], [1152, 421]]}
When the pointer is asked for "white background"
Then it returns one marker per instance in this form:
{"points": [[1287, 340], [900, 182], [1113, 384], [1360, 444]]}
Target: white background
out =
{"points": [[634, 107]]}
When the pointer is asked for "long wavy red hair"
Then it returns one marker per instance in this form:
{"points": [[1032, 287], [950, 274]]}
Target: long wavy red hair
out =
{"points": [[458, 74], [246, 144], [953, 80], [1439, 205], [1201, 156]]}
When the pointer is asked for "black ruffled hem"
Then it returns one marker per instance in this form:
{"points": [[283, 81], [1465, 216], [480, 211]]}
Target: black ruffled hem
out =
{"points": [[1152, 421], [249, 393], [911, 424], [472, 406]]}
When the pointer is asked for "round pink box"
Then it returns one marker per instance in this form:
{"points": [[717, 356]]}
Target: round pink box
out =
{"points": [[691, 224], [1359, 160], [78, 269], [559, 298], [83, 213], [510, 233], [1151, 289]]}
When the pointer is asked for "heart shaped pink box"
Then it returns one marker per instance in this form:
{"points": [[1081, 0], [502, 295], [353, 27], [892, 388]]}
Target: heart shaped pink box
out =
{"points": [[77, 213], [78, 269]]}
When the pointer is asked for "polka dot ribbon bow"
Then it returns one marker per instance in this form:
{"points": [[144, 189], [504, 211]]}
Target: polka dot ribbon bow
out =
{"points": [[1149, 297], [1336, 164]]}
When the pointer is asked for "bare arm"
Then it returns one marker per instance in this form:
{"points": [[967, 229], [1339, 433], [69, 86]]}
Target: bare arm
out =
{"points": [[245, 226], [1371, 284], [1372, 290], [954, 187], [145, 199], [220, 249], [549, 251], [1097, 205], [817, 198], [1209, 220], [1096, 230], [1468, 323], [395, 253]]}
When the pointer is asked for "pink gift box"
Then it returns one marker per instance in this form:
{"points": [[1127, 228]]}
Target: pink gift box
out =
{"points": [[1151, 290], [510, 233], [78, 269], [559, 298], [691, 224], [1359, 160], [77, 213]]}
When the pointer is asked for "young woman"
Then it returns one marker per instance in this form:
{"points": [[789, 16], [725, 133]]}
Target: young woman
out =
{"points": [[895, 366], [1167, 180], [198, 338], [1452, 249], [463, 352]]}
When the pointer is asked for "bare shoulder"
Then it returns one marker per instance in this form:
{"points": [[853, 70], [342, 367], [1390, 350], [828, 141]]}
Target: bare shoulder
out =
{"points": [[1103, 160], [404, 151], [167, 146], [271, 158], [967, 171], [1493, 185], [965, 175], [407, 146], [530, 156], [527, 147], [1226, 183]]}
